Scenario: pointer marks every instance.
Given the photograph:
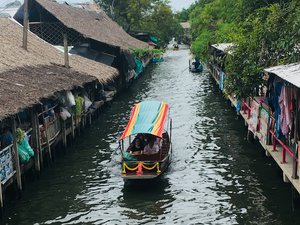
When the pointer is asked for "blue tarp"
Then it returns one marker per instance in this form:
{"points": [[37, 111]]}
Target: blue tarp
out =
{"points": [[221, 80]]}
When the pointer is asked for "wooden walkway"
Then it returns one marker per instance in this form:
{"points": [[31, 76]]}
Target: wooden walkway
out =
{"points": [[286, 167]]}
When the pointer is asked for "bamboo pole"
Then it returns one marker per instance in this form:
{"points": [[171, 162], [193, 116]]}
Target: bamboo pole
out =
{"points": [[15, 151], [25, 24]]}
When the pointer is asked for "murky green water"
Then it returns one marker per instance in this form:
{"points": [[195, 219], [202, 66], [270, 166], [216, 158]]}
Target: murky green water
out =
{"points": [[216, 177]]}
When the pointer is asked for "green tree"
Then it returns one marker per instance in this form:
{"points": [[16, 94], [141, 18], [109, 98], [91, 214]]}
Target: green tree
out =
{"points": [[165, 30], [128, 12], [145, 16], [268, 37]]}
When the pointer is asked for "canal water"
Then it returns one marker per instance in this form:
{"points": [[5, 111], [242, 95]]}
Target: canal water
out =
{"points": [[216, 176]]}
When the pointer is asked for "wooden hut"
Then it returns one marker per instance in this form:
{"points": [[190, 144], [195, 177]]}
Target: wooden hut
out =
{"points": [[28, 78], [217, 68], [91, 33]]}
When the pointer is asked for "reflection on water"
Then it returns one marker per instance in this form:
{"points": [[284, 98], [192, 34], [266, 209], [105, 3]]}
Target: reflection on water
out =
{"points": [[146, 201], [215, 177]]}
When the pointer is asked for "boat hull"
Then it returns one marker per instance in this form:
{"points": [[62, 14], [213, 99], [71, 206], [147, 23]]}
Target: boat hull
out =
{"points": [[149, 175]]}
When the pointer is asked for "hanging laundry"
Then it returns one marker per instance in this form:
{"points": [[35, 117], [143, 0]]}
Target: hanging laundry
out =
{"points": [[285, 115], [275, 100]]}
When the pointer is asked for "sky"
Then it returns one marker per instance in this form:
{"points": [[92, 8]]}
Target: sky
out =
{"points": [[176, 5]]}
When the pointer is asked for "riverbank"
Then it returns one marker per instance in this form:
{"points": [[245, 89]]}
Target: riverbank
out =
{"points": [[278, 151]]}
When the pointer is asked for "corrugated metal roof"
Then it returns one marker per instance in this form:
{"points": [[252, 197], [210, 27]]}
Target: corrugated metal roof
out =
{"points": [[290, 73], [224, 47]]}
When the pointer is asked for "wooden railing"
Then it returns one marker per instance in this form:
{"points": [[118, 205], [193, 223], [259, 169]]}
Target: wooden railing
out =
{"points": [[6, 164], [246, 108]]}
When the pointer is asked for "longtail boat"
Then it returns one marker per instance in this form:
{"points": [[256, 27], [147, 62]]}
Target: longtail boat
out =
{"points": [[147, 127]]}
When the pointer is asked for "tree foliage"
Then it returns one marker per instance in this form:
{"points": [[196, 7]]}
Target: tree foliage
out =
{"points": [[265, 33], [153, 16], [268, 37]]}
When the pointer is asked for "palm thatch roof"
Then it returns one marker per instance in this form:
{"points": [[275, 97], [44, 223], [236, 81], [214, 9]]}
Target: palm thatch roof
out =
{"points": [[91, 24], [28, 76]]}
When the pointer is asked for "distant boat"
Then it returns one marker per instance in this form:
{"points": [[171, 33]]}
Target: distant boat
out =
{"points": [[147, 120], [175, 46], [195, 66], [156, 60]]}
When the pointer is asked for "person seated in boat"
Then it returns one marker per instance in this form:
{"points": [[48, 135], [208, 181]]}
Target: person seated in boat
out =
{"points": [[165, 137], [141, 137], [137, 144], [196, 63], [137, 147], [152, 147]]}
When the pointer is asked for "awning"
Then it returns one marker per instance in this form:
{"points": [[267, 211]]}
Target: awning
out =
{"points": [[224, 47], [147, 117], [290, 73]]}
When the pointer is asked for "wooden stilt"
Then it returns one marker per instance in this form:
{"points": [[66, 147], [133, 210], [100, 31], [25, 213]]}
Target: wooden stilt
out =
{"points": [[285, 178], [34, 139], [47, 138], [72, 126], [1, 196], [39, 144], [15, 151], [64, 133], [90, 119]]}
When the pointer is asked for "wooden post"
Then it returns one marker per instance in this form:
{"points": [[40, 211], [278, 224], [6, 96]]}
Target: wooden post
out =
{"points": [[25, 24], [64, 133], [90, 119], [39, 142], [72, 126], [66, 51], [35, 138], [47, 137], [1, 196], [15, 151]]}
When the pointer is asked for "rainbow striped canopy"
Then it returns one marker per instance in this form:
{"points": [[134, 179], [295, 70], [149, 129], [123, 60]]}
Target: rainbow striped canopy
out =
{"points": [[147, 117]]}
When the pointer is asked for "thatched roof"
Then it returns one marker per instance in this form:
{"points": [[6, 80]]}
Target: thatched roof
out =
{"points": [[28, 76], [91, 24]]}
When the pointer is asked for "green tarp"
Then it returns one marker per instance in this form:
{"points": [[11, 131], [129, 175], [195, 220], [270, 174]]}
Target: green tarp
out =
{"points": [[154, 39], [139, 66]]}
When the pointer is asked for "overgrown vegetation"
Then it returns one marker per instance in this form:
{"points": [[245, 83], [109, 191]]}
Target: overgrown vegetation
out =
{"points": [[265, 33]]}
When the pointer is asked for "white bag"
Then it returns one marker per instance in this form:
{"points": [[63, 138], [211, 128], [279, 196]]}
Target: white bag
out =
{"points": [[87, 103], [65, 114], [70, 99]]}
